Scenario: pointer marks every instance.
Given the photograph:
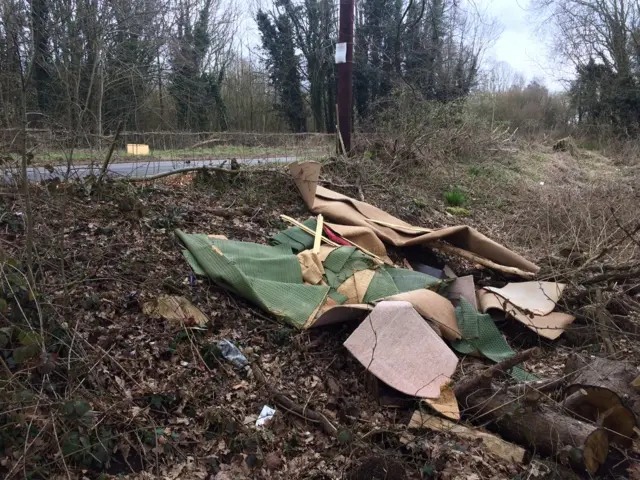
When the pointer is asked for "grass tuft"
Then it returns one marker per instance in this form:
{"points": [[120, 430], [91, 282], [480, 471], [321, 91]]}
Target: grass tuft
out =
{"points": [[455, 197]]}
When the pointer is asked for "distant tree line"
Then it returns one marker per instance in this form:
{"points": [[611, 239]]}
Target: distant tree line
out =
{"points": [[601, 40], [433, 47], [88, 65]]}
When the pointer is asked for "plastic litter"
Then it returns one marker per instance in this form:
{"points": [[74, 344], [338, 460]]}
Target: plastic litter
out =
{"points": [[232, 354], [266, 414]]}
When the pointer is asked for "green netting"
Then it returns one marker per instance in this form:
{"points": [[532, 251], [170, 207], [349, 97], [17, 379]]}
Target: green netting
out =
{"points": [[337, 259], [295, 237], [408, 280], [338, 297], [268, 276], [480, 334], [343, 262], [381, 286]]}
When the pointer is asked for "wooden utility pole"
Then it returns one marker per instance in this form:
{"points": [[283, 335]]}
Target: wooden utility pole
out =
{"points": [[344, 59]]}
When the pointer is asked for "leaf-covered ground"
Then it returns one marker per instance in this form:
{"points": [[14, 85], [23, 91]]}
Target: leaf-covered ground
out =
{"points": [[118, 394]]}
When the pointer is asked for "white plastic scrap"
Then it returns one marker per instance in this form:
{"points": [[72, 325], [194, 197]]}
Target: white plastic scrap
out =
{"points": [[265, 416]]}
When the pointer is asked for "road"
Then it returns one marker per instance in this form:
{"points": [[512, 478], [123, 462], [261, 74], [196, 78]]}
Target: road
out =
{"points": [[137, 169]]}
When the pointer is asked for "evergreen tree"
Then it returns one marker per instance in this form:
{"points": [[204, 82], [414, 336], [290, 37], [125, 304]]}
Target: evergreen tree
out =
{"points": [[283, 64]]}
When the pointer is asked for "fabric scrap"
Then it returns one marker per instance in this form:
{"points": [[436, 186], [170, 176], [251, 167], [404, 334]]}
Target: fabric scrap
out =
{"points": [[268, 276], [480, 335]]}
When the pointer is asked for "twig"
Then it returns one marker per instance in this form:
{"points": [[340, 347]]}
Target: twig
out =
{"points": [[481, 260], [288, 404], [629, 234], [611, 277], [462, 388], [107, 159], [538, 385]]}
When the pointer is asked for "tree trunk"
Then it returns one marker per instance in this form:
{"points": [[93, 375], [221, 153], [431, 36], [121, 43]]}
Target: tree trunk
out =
{"points": [[583, 445], [606, 374]]}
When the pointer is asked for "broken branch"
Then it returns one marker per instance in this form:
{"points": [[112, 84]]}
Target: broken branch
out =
{"points": [[288, 404], [463, 388]]}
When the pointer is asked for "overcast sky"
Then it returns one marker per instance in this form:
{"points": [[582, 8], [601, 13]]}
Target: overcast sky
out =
{"points": [[520, 45]]}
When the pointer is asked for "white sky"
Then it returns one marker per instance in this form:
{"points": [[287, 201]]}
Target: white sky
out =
{"points": [[521, 45]]}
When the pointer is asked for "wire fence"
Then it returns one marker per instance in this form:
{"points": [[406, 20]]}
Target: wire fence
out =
{"points": [[57, 154]]}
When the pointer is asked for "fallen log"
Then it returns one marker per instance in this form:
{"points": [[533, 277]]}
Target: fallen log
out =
{"points": [[495, 445], [601, 390], [580, 444]]}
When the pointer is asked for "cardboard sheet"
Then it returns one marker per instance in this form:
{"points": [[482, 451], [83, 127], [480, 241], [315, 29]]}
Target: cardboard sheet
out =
{"points": [[349, 211], [446, 405], [355, 287], [311, 266], [396, 345], [536, 297], [463, 287], [550, 326], [364, 237], [433, 307]]}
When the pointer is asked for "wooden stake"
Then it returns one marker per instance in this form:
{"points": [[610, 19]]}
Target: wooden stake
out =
{"points": [[318, 239], [304, 228]]}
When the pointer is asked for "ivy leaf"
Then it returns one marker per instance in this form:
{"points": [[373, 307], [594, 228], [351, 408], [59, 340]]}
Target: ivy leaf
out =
{"points": [[71, 445], [25, 353], [344, 437], [30, 338], [5, 336], [81, 408], [68, 408]]}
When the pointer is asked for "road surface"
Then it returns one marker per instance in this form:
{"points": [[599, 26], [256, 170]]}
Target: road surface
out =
{"points": [[136, 169]]}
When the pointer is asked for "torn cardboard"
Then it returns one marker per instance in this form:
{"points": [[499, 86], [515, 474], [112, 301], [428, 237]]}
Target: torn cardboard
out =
{"points": [[348, 211], [535, 297], [176, 309], [433, 307], [446, 405], [396, 345]]}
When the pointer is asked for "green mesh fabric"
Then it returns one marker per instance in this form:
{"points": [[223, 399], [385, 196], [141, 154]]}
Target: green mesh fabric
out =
{"points": [[480, 334], [381, 286], [343, 262], [408, 280], [338, 297], [295, 237], [268, 276]]}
